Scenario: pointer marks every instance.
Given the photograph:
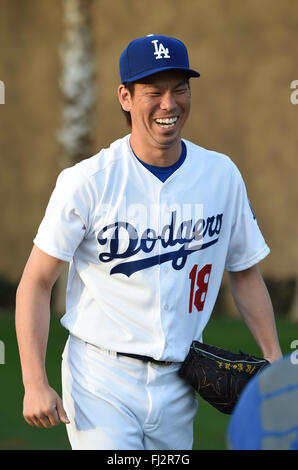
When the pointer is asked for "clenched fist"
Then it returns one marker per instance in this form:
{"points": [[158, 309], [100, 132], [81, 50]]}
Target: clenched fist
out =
{"points": [[43, 407]]}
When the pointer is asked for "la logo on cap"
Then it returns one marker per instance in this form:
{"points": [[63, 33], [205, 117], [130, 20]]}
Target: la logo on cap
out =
{"points": [[160, 50], [137, 61]]}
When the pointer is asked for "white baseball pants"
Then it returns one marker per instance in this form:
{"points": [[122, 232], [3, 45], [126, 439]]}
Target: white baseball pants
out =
{"points": [[121, 403]]}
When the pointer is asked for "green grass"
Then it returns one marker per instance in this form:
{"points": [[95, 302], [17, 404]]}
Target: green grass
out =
{"points": [[16, 434]]}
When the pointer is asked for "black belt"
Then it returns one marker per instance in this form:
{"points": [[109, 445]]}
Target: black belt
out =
{"points": [[145, 359]]}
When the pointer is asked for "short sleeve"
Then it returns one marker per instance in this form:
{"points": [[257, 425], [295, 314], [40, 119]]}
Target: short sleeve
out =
{"points": [[66, 218], [247, 245]]}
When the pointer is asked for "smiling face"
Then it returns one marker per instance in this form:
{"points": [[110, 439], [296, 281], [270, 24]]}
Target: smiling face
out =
{"points": [[159, 108]]}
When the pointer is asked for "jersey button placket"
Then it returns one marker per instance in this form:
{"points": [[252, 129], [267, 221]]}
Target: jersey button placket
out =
{"points": [[165, 294]]}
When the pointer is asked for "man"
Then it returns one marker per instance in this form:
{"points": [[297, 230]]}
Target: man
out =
{"points": [[148, 227]]}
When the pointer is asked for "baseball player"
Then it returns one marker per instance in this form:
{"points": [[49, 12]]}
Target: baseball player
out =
{"points": [[148, 227]]}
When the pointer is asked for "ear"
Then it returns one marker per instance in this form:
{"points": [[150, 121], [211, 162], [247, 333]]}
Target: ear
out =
{"points": [[124, 97]]}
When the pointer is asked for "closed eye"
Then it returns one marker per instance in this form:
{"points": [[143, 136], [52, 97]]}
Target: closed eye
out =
{"points": [[180, 91], [153, 93]]}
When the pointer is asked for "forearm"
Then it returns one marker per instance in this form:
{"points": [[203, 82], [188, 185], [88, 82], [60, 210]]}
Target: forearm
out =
{"points": [[254, 304], [32, 328], [42, 406]]}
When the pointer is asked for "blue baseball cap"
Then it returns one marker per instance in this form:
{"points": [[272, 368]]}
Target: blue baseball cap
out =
{"points": [[152, 54]]}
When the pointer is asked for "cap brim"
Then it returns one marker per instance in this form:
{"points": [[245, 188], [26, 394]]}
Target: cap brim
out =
{"points": [[188, 72]]}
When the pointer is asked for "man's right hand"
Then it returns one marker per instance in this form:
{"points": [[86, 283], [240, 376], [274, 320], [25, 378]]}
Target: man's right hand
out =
{"points": [[43, 407]]}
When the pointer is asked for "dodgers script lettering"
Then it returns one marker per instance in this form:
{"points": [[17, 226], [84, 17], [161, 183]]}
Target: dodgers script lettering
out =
{"points": [[188, 236]]}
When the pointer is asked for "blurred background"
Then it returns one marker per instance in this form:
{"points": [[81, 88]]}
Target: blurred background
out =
{"points": [[59, 68]]}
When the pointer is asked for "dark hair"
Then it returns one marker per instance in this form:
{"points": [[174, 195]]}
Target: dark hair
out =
{"points": [[130, 88]]}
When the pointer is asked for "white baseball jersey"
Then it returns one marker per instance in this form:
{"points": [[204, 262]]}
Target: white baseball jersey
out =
{"points": [[146, 257]]}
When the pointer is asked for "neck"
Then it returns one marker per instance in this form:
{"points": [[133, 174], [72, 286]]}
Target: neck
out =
{"points": [[157, 155]]}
